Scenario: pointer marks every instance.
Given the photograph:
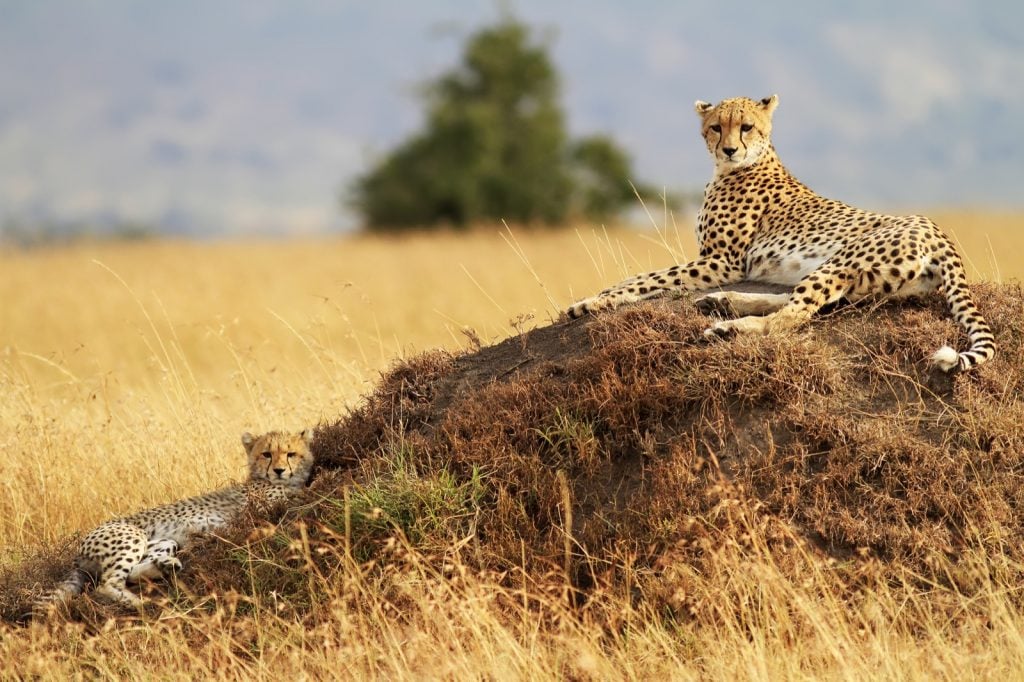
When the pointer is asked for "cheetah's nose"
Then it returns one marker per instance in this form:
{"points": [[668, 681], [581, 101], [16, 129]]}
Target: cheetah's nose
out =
{"points": [[729, 151], [279, 471]]}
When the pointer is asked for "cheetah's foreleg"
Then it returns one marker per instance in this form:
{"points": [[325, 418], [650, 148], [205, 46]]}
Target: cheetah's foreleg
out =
{"points": [[707, 272]]}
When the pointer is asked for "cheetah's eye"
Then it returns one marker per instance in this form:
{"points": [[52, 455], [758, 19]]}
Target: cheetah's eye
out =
{"points": [[746, 128], [290, 455], [267, 454], [717, 128]]}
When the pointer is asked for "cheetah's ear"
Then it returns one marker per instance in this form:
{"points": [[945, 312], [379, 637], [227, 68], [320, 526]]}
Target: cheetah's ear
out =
{"points": [[769, 103], [307, 435], [247, 440], [703, 107]]}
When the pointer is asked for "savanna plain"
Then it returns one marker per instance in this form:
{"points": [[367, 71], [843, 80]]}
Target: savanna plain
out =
{"points": [[128, 370]]}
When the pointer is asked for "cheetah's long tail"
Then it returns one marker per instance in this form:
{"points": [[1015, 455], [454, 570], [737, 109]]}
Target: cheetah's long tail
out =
{"points": [[72, 584], [982, 348]]}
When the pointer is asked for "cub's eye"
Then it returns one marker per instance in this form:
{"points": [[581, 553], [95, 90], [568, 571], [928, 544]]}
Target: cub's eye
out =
{"points": [[746, 128], [290, 455], [267, 454], [717, 128]]}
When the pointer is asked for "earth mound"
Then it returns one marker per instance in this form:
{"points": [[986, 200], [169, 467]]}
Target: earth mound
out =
{"points": [[626, 452]]}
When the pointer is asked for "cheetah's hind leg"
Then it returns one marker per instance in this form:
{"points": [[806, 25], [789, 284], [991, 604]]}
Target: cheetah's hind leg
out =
{"points": [[826, 285], [739, 304], [117, 548], [159, 562]]}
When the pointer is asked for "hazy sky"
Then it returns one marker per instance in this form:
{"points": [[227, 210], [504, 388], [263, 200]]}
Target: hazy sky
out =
{"points": [[227, 116]]}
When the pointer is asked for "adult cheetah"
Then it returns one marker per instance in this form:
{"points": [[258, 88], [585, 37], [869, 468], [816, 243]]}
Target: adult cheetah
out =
{"points": [[145, 544], [758, 222]]}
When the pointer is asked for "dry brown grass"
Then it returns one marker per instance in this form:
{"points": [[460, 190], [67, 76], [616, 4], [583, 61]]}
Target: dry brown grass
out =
{"points": [[138, 374]]}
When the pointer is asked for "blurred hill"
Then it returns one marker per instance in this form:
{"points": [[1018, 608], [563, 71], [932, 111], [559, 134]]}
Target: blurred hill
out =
{"points": [[246, 117]]}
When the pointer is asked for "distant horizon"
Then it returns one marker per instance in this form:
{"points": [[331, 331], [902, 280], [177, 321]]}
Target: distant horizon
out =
{"points": [[251, 118]]}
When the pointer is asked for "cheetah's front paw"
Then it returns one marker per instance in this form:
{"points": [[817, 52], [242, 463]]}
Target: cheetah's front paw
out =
{"points": [[589, 306]]}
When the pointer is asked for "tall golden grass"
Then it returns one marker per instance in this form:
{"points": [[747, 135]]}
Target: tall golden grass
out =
{"points": [[469, 627], [127, 372]]}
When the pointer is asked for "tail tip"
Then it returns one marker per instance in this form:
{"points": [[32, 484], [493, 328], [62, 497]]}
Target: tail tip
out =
{"points": [[946, 359]]}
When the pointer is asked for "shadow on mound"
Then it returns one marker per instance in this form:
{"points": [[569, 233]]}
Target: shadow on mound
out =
{"points": [[624, 451]]}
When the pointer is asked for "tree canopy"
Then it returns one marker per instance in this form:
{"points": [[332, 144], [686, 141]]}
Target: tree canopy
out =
{"points": [[495, 147]]}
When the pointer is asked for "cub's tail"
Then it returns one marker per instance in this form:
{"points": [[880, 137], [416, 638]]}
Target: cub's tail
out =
{"points": [[73, 584]]}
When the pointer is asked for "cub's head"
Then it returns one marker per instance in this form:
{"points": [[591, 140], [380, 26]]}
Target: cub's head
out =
{"points": [[737, 131], [281, 458]]}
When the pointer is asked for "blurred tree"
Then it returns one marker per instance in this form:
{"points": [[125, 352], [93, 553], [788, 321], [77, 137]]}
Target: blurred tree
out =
{"points": [[494, 147], [602, 184]]}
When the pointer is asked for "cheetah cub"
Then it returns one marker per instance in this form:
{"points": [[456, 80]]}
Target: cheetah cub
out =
{"points": [[758, 222], [145, 544]]}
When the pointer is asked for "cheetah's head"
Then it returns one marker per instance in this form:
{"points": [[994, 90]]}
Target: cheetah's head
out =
{"points": [[281, 458], [737, 131]]}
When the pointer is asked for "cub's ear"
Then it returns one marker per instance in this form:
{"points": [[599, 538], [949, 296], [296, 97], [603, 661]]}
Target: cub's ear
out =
{"points": [[307, 435], [247, 440], [769, 103], [703, 107]]}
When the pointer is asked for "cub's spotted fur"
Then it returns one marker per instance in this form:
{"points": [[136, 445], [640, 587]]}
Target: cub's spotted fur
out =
{"points": [[758, 222], [145, 544]]}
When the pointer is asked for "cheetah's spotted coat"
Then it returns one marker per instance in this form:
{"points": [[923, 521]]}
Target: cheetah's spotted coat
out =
{"points": [[758, 222]]}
